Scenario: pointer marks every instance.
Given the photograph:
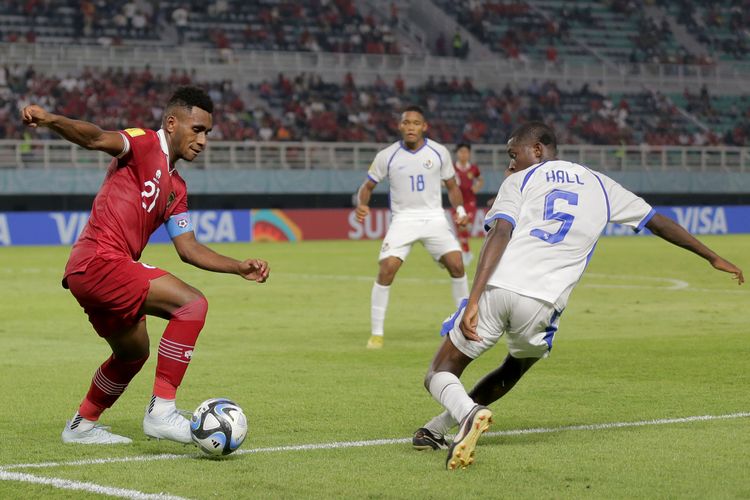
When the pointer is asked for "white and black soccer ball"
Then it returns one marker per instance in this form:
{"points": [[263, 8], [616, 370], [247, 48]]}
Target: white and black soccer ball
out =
{"points": [[218, 426]]}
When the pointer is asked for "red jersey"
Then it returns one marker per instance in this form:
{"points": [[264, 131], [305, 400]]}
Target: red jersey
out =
{"points": [[138, 195], [465, 178]]}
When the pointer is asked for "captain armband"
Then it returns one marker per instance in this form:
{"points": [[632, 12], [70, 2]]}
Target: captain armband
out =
{"points": [[179, 224]]}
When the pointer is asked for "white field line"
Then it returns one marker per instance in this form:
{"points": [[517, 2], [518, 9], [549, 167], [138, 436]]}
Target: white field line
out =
{"points": [[67, 484], [670, 284], [380, 442]]}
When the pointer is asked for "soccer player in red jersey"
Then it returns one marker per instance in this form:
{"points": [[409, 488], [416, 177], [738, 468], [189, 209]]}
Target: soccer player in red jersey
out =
{"points": [[141, 191], [470, 182]]}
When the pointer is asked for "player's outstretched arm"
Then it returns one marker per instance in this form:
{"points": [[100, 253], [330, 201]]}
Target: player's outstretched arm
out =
{"points": [[199, 255], [492, 251], [457, 202], [85, 134], [363, 199], [667, 229]]}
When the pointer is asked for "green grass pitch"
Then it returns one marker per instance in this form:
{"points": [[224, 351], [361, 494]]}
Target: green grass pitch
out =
{"points": [[652, 332]]}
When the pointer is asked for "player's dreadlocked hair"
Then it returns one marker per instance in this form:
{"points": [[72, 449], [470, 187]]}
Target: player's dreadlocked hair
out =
{"points": [[536, 132], [187, 97]]}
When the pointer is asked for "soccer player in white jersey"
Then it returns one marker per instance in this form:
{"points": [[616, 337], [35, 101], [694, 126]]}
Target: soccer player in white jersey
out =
{"points": [[543, 227], [416, 168]]}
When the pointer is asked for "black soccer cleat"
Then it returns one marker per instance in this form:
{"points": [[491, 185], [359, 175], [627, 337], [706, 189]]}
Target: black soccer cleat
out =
{"points": [[424, 439]]}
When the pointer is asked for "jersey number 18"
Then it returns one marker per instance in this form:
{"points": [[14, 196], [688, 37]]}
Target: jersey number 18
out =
{"points": [[417, 182]]}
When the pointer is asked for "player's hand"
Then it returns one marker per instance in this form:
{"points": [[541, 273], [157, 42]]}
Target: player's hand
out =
{"points": [[362, 211], [469, 322], [34, 116], [728, 267], [460, 221], [254, 270]]}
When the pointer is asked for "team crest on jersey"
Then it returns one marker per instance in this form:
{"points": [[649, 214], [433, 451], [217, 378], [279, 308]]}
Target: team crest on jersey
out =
{"points": [[428, 164], [171, 198], [135, 132]]}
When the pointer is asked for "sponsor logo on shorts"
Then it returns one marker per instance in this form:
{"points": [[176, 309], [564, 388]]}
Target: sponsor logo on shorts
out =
{"points": [[182, 223], [385, 247]]}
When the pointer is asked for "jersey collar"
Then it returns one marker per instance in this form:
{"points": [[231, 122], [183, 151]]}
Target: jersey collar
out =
{"points": [[165, 149]]}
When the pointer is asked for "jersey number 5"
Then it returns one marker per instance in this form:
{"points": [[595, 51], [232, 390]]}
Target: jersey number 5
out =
{"points": [[550, 214]]}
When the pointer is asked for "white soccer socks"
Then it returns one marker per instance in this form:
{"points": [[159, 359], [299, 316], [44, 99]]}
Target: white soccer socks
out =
{"points": [[379, 304], [460, 289], [449, 392], [442, 424]]}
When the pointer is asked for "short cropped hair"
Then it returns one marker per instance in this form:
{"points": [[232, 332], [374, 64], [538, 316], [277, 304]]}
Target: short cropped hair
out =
{"points": [[187, 97], [414, 108], [463, 145], [535, 132]]}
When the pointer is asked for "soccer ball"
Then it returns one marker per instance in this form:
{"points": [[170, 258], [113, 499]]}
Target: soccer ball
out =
{"points": [[218, 426]]}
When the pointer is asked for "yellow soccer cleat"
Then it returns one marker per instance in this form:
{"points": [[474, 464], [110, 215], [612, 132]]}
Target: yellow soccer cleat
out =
{"points": [[375, 342], [461, 452]]}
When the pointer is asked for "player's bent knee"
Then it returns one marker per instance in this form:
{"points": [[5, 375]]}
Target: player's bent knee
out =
{"points": [[195, 310]]}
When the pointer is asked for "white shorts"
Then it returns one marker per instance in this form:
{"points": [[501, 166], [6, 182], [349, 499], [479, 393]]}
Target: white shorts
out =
{"points": [[436, 235], [529, 325]]}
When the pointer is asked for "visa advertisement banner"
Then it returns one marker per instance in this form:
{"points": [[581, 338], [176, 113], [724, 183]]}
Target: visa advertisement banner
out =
{"points": [[227, 226]]}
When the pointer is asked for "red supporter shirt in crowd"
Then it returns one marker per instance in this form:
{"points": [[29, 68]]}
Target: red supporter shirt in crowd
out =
{"points": [[139, 194], [465, 177]]}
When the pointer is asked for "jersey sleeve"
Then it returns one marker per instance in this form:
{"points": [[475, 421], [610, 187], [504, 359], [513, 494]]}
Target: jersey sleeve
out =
{"points": [[447, 171], [625, 207], [135, 140], [378, 168], [507, 204]]}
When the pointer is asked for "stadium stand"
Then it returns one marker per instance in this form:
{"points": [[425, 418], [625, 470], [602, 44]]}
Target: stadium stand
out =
{"points": [[305, 107], [325, 106], [330, 26]]}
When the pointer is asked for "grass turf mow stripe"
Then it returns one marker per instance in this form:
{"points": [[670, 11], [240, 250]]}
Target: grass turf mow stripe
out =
{"points": [[381, 442]]}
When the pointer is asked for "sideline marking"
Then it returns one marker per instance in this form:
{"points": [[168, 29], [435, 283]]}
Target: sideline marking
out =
{"points": [[67, 484], [382, 442]]}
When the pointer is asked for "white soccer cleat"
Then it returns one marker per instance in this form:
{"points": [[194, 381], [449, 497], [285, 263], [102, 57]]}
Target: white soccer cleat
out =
{"points": [[172, 426], [98, 434]]}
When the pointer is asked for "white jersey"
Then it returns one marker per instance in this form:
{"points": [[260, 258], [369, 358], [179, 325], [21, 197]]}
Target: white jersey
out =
{"points": [[415, 178], [558, 210]]}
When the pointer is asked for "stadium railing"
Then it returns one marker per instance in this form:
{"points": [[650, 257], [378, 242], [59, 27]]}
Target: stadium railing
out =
{"points": [[46, 154]]}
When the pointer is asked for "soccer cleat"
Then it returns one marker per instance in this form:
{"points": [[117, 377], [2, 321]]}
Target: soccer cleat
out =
{"points": [[375, 342], [461, 452], [98, 434], [424, 439], [172, 426]]}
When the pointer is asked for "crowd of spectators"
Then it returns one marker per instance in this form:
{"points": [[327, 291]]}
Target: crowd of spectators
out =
{"points": [[722, 26], [313, 25], [305, 107]]}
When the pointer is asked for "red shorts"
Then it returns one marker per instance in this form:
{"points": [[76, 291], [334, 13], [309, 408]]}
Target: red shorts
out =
{"points": [[112, 292]]}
